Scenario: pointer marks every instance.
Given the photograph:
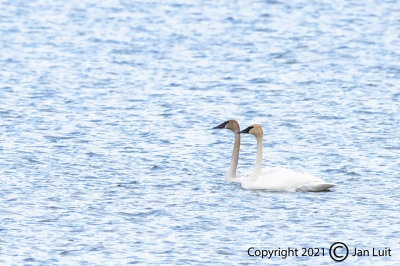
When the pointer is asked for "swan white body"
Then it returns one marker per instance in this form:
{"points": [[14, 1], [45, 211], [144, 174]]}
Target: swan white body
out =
{"points": [[279, 179]]}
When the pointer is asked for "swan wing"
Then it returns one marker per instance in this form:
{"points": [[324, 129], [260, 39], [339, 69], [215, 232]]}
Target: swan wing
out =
{"points": [[280, 179]]}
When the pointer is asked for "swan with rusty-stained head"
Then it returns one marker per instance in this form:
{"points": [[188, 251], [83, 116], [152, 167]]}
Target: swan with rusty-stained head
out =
{"points": [[278, 179]]}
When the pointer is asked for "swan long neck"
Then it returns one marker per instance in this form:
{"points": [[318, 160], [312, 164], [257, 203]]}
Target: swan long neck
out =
{"points": [[257, 169], [234, 159]]}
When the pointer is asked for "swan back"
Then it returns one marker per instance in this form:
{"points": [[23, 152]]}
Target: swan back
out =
{"points": [[280, 179]]}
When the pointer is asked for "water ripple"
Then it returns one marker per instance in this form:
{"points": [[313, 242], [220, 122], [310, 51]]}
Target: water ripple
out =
{"points": [[107, 154]]}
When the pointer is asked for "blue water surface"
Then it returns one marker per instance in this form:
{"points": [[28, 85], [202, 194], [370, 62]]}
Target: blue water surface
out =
{"points": [[107, 155]]}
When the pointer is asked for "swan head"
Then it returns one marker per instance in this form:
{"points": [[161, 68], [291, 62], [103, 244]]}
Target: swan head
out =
{"points": [[231, 125], [255, 130]]}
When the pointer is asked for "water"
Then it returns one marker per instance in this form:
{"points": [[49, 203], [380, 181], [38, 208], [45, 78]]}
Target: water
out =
{"points": [[106, 152]]}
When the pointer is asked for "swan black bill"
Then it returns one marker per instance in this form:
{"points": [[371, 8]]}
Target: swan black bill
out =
{"points": [[222, 125], [247, 130]]}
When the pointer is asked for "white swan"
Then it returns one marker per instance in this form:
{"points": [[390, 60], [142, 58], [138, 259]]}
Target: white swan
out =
{"points": [[234, 126], [279, 179]]}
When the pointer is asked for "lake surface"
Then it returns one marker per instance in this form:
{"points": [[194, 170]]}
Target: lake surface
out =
{"points": [[107, 154]]}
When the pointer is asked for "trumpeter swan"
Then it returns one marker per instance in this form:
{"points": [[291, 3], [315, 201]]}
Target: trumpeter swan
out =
{"points": [[234, 126], [279, 179]]}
